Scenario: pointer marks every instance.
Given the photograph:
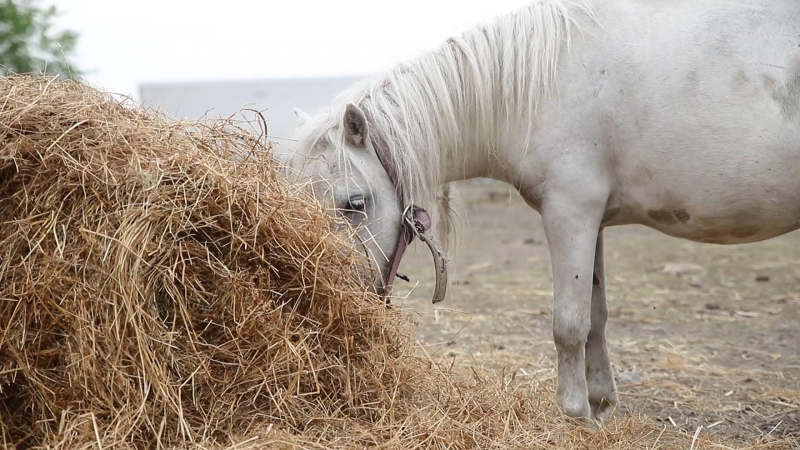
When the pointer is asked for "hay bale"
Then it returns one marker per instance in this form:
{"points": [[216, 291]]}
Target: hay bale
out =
{"points": [[154, 292]]}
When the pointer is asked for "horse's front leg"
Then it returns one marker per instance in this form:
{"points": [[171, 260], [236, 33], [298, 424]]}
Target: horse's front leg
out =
{"points": [[571, 223], [603, 395]]}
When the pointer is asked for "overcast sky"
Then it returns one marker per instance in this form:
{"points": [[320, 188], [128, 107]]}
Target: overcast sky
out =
{"points": [[123, 43]]}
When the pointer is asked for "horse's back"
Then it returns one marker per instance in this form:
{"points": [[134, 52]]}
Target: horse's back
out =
{"points": [[696, 105]]}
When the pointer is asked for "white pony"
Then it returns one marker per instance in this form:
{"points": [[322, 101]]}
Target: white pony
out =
{"points": [[683, 116]]}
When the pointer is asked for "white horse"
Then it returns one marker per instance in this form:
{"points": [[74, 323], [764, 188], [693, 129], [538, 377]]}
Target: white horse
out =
{"points": [[683, 116]]}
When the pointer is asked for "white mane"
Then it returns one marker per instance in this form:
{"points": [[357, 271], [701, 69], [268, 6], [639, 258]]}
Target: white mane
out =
{"points": [[429, 108]]}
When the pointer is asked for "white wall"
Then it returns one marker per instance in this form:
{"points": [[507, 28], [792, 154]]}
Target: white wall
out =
{"points": [[274, 98]]}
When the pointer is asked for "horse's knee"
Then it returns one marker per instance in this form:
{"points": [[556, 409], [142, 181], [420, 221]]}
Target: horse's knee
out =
{"points": [[570, 333]]}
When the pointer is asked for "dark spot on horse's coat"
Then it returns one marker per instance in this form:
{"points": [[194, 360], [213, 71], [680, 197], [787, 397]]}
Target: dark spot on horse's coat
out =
{"points": [[739, 82], [745, 231], [740, 79], [737, 227], [682, 215], [743, 76], [602, 71], [609, 215], [595, 280], [576, 277], [692, 80], [664, 217], [669, 217], [769, 82]]}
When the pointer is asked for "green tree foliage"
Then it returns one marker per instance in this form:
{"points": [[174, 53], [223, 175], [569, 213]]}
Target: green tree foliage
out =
{"points": [[29, 45]]}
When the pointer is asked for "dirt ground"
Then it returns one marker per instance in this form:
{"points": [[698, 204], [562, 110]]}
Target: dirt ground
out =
{"points": [[700, 335]]}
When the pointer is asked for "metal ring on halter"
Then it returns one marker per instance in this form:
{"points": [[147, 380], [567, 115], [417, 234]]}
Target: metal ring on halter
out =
{"points": [[420, 229], [408, 218]]}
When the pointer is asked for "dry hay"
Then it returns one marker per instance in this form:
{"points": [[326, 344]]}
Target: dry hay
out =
{"points": [[157, 294], [154, 292]]}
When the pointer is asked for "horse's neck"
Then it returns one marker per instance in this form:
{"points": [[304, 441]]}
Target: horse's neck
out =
{"points": [[472, 160], [474, 154], [460, 131], [451, 115]]}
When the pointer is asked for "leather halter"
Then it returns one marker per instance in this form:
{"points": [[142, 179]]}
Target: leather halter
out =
{"points": [[415, 223]]}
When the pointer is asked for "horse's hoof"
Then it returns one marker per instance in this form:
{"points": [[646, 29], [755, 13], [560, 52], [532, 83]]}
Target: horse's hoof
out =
{"points": [[603, 412], [578, 411], [603, 409]]}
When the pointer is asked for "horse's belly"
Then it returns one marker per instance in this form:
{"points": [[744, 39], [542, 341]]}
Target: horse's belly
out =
{"points": [[716, 219], [722, 230]]}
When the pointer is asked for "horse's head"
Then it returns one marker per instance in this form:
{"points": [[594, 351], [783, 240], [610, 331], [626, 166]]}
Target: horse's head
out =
{"points": [[336, 152], [341, 156]]}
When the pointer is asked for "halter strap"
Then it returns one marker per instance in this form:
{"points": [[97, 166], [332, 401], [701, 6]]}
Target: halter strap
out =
{"points": [[415, 223]]}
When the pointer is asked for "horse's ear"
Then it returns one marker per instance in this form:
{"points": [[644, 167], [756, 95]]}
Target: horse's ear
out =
{"points": [[355, 126], [300, 117]]}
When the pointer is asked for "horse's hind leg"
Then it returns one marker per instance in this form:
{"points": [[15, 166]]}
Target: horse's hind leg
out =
{"points": [[603, 395]]}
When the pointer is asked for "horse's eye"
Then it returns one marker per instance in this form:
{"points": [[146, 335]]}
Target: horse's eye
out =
{"points": [[357, 203]]}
